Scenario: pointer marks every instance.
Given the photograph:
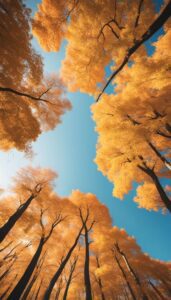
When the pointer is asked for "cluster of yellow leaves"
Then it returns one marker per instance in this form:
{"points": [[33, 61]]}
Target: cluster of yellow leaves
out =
{"points": [[23, 118], [137, 114], [97, 34]]}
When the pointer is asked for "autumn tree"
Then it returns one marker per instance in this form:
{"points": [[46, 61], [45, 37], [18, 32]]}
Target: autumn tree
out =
{"points": [[98, 34], [22, 283], [30, 186], [83, 256], [30, 101], [134, 140]]}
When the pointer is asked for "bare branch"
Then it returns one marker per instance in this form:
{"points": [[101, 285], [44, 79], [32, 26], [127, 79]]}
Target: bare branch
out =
{"points": [[138, 13]]}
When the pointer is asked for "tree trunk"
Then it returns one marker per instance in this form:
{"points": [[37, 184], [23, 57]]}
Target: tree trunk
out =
{"points": [[60, 269], [157, 291], [5, 229], [69, 279], [158, 185], [125, 277], [100, 281], [38, 290], [86, 268], [33, 280], [21, 285], [132, 272]]}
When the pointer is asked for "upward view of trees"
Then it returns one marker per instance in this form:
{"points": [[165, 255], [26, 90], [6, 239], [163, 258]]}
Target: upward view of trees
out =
{"points": [[66, 248], [61, 248], [27, 95], [134, 141]]}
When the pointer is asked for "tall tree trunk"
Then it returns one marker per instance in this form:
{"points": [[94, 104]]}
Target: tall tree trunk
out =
{"points": [[33, 280], [60, 269], [126, 280], [59, 289], [5, 229], [38, 290], [86, 268], [99, 281], [153, 176], [67, 287], [132, 272], [22, 283], [72, 269], [157, 291]]}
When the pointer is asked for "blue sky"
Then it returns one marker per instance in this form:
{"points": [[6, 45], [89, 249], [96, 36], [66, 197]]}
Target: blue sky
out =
{"points": [[70, 151]]}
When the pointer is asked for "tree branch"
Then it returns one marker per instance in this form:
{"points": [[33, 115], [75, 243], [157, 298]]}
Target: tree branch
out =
{"points": [[153, 28], [10, 90]]}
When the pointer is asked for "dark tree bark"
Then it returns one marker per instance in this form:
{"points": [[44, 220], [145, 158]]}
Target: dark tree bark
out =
{"points": [[21, 285], [38, 290], [69, 280], [87, 281], [125, 278], [21, 94], [5, 229], [58, 292], [150, 172], [157, 291], [34, 278], [87, 267], [157, 152], [99, 281], [61, 267], [132, 272], [153, 28]]}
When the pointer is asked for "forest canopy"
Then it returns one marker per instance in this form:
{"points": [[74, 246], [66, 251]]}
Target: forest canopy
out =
{"points": [[116, 53]]}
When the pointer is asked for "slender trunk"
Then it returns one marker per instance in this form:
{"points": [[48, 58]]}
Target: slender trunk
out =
{"points": [[28, 289], [132, 272], [86, 268], [5, 229], [126, 280], [101, 288], [30, 285], [158, 185], [21, 285], [60, 269], [157, 291], [100, 281], [67, 287], [38, 290], [162, 158], [69, 280], [59, 289]]}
